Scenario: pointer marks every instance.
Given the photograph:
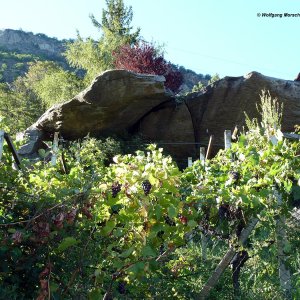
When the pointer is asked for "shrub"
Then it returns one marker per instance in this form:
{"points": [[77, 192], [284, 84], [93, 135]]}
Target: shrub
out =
{"points": [[144, 58]]}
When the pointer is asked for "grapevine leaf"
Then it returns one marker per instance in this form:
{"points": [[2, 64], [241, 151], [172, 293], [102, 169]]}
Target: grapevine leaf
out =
{"points": [[172, 211], [66, 243], [192, 223], [137, 268], [95, 294], [110, 225], [127, 252], [158, 211], [147, 251]]}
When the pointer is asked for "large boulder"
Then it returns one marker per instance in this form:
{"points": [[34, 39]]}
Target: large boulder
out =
{"points": [[120, 101], [113, 103], [223, 105]]}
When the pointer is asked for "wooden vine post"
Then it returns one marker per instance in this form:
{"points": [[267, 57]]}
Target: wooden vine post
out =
{"points": [[13, 150], [204, 238], [227, 139], [209, 146], [224, 263], [284, 272], [190, 161], [202, 154], [1, 142], [54, 149]]}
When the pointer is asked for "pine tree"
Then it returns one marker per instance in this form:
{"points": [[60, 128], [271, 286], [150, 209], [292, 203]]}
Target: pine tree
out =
{"points": [[117, 19]]}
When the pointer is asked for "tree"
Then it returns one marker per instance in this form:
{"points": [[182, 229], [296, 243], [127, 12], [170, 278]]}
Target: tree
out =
{"points": [[116, 19], [96, 56], [201, 87], [214, 78], [17, 109], [144, 58], [50, 83], [92, 56], [27, 98]]}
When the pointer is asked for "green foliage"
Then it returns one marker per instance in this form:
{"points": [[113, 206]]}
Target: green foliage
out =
{"points": [[94, 56], [116, 19], [97, 56], [198, 87], [201, 86], [214, 78], [51, 83], [17, 110], [14, 64], [27, 98]]}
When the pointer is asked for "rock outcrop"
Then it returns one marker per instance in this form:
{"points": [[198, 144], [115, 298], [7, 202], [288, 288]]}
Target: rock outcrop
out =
{"points": [[27, 42], [115, 101], [119, 101], [223, 105]]}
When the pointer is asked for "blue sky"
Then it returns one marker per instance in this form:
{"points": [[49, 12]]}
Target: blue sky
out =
{"points": [[212, 36]]}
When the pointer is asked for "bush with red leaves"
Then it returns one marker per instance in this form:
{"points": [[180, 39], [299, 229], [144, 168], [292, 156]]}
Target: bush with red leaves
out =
{"points": [[143, 58]]}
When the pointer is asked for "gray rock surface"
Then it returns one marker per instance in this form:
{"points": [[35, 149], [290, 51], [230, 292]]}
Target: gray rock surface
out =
{"points": [[27, 42], [119, 101], [223, 105], [114, 102]]}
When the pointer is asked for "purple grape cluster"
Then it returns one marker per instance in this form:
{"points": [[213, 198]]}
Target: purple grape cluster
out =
{"points": [[115, 189], [122, 287], [146, 185], [169, 221], [235, 175]]}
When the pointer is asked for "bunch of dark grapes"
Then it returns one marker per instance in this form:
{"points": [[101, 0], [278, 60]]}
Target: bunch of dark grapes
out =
{"points": [[235, 175], [146, 185], [224, 212], [169, 221], [122, 287], [115, 189]]}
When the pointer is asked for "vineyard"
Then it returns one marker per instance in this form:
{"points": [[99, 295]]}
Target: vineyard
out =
{"points": [[88, 222]]}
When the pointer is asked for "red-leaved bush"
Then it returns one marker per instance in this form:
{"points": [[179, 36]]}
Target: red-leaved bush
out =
{"points": [[143, 58]]}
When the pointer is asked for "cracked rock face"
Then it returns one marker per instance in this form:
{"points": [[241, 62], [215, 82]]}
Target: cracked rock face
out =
{"points": [[119, 101], [221, 107], [113, 103]]}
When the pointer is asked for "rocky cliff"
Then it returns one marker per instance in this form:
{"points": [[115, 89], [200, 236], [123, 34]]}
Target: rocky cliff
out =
{"points": [[119, 101], [18, 48], [29, 43]]}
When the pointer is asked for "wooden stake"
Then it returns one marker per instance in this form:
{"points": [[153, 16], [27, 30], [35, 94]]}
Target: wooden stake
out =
{"points": [[284, 272], [224, 263], [190, 161], [235, 132], [202, 153], [227, 139], [12, 150], [1, 143], [209, 146], [54, 149]]}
